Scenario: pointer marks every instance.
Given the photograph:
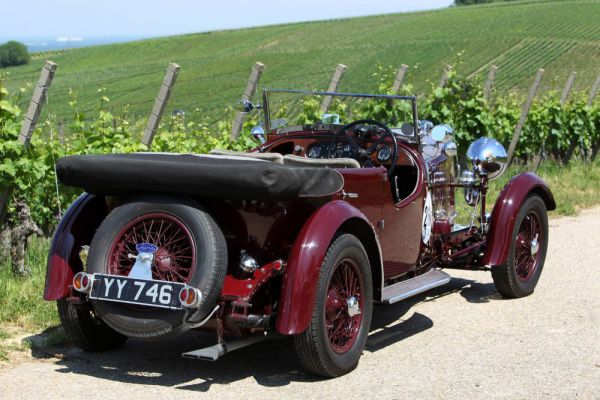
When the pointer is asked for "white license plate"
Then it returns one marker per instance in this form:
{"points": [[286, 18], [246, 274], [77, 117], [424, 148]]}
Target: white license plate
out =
{"points": [[122, 289]]}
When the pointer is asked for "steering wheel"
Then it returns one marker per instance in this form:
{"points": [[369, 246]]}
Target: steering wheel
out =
{"points": [[365, 155]]}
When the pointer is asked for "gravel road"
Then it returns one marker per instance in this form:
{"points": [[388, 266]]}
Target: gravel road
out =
{"points": [[459, 341]]}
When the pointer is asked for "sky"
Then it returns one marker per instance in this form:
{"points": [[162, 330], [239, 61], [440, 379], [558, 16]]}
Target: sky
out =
{"points": [[150, 18]]}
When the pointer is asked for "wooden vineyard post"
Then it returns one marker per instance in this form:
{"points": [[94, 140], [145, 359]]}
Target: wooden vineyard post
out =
{"points": [[333, 86], [160, 104], [591, 97], [567, 89], [399, 78], [489, 83], [400, 74], [30, 121], [537, 160], [251, 86], [594, 91], [524, 112], [37, 103], [445, 74]]}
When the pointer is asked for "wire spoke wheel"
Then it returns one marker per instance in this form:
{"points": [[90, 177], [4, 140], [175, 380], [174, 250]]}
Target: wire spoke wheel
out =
{"points": [[190, 249], [519, 274], [344, 289], [175, 258], [337, 332], [527, 255]]}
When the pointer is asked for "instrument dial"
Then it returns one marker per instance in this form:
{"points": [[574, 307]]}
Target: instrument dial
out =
{"points": [[315, 151], [384, 154]]}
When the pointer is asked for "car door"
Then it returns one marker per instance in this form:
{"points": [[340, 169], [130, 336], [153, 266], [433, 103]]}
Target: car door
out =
{"points": [[402, 215]]}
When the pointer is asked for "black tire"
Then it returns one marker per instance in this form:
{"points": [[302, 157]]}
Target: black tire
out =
{"points": [[509, 278], [208, 275], [313, 346], [85, 330]]}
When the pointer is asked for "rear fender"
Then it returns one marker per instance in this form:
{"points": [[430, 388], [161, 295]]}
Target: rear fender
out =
{"points": [[505, 212], [76, 228], [299, 286]]}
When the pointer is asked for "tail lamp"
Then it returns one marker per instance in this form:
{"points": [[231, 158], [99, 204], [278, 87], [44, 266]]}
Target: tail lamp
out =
{"points": [[190, 297], [82, 282]]}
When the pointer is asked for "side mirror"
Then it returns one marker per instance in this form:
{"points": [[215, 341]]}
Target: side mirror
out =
{"points": [[245, 106], [407, 129], [258, 133]]}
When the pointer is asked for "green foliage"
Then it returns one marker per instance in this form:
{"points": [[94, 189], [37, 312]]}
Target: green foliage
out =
{"points": [[460, 104], [13, 53], [31, 172]]}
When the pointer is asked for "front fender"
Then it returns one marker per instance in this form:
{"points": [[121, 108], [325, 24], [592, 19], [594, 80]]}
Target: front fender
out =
{"points": [[76, 228], [299, 286], [505, 212]]}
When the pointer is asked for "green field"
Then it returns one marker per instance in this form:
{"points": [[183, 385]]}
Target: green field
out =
{"points": [[518, 37]]}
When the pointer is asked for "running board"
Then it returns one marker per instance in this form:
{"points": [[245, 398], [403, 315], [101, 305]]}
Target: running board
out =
{"points": [[413, 286], [213, 353]]}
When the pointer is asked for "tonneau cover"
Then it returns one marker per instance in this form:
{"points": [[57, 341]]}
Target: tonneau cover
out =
{"points": [[222, 177]]}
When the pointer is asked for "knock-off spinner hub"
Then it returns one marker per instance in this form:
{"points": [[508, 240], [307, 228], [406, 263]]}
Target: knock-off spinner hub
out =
{"points": [[353, 306], [535, 246]]}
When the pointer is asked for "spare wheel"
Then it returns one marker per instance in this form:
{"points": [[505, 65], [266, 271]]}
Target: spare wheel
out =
{"points": [[191, 250]]}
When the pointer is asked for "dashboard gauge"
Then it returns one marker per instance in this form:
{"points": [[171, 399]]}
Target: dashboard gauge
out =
{"points": [[315, 151], [384, 154]]}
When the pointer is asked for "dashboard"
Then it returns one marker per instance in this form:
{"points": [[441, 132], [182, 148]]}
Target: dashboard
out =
{"points": [[323, 149], [317, 142]]}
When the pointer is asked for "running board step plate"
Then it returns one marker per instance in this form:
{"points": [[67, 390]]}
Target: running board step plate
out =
{"points": [[413, 286]]}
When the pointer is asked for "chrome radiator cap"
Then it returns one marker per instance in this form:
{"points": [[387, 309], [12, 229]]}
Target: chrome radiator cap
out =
{"points": [[488, 157]]}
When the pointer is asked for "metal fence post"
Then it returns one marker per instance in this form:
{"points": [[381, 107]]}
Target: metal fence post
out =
{"points": [[29, 122], [333, 86], [524, 112], [445, 74], [160, 104], [489, 83], [251, 86]]}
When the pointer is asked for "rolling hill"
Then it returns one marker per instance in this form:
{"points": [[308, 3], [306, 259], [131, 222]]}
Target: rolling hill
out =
{"points": [[518, 37]]}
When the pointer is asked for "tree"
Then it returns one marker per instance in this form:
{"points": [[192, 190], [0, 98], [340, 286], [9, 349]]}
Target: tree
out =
{"points": [[13, 53], [471, 2]]}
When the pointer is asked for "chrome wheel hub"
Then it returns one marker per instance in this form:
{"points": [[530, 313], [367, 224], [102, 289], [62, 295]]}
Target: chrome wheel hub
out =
{"points": [[353, 307]]}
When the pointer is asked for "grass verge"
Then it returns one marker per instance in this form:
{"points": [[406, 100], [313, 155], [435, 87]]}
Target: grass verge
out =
{"points": [[575, 186], [22, 309]]}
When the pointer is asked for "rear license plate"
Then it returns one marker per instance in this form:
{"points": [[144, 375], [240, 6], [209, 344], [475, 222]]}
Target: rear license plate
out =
{"points": [[121, 289]]}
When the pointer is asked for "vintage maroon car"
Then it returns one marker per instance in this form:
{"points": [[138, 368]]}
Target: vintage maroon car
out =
{"points": [[298, 237]]}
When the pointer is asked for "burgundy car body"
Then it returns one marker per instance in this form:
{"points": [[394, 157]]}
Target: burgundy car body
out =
{"points": [[296, 235]]}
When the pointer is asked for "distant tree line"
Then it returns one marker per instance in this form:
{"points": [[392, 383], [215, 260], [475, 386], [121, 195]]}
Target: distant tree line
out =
{"points": [[471, 2], [13, 53]]}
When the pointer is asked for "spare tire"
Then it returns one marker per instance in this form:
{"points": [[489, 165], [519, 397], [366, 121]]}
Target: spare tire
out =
{"points": [[191, 250]]}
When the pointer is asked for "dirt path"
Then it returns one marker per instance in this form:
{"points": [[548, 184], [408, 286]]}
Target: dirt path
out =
{"points": [[459, 341]]}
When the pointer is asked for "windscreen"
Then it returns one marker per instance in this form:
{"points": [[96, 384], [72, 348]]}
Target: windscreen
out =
{"points": [[286, 108]]}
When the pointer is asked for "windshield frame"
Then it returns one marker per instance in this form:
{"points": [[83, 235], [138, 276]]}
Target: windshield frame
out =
{"points": [[389, 97]]}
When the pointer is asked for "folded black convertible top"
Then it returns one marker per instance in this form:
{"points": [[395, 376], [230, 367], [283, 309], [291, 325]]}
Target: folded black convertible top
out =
{"points": [[223, 177]]}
